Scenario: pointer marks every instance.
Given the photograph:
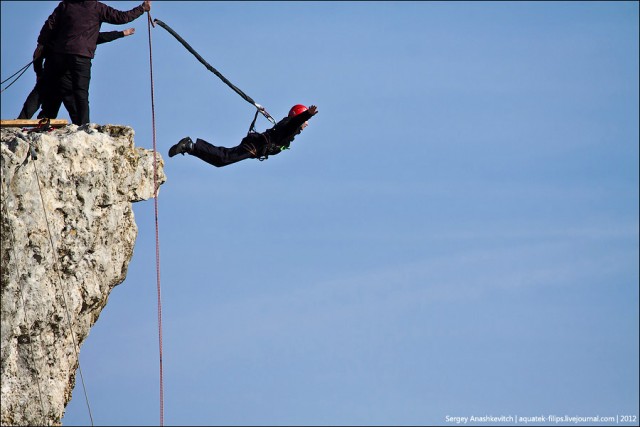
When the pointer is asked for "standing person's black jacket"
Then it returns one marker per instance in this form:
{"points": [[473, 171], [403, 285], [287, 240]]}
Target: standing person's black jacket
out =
{"points": [[103, 37], [74, 25]]}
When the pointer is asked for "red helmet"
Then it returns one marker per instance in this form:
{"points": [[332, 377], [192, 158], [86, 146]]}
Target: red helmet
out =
{"points": [[297, 109]]}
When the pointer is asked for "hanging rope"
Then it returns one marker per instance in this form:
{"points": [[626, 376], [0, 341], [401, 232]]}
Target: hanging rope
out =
{"points": [[21, 71], [246, 97], [155, 203]]}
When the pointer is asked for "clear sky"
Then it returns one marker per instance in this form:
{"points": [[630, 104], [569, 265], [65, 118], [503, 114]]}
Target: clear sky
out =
{"points": [[455, 233]]}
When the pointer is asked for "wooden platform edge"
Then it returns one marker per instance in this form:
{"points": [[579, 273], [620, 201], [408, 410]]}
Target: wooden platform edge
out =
{"points": [[19, 123]]}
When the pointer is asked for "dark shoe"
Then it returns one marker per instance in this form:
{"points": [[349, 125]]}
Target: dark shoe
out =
{"points": [[185, 145]]}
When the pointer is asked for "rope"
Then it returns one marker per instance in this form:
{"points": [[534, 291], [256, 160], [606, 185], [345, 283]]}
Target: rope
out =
{"points": [[216, 72], [64, 299], [155, 203], [21, 71]]}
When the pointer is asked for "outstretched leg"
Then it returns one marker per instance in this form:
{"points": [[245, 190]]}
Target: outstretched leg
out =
{"points": [[216, 156]]}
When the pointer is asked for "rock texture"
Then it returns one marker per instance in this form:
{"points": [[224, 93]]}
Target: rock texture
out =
{"points": [[68, 233]]}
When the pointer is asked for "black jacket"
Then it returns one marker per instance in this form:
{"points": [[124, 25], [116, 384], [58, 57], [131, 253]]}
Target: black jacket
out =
{"points": [[279, 137], [103, 37], [74, 25]]}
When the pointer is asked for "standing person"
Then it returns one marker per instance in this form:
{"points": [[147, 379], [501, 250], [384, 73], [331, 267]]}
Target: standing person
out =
{"points": [[34, 99], [73, 29], [254, 145]]}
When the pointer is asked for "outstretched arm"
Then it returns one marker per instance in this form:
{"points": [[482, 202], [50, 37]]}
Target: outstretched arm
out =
{"points": [[109, 36], [297, 121], [286, 129]]}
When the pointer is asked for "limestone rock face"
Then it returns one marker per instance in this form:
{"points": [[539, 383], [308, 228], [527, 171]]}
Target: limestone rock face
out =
{"points": [[68, 233]]}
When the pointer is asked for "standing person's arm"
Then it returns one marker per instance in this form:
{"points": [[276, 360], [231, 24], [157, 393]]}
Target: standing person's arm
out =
{"points": [[109, 36], [118, 17]]}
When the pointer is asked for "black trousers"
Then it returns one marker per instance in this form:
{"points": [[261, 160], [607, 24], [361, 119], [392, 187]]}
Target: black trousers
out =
{"points": [[34, 100], [55, 88], [222, 156], [31, 104]]}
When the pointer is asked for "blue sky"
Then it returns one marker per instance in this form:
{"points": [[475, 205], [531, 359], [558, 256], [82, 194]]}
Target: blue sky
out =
{"points": [[455, 233]]}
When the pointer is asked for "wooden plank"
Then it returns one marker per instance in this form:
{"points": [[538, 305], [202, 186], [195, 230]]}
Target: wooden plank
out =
{"points": [[18, 123]]}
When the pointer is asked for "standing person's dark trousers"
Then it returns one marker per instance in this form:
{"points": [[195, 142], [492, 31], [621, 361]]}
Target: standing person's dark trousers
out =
{"points": [[31, 104], [34, 100], [54, 87]]}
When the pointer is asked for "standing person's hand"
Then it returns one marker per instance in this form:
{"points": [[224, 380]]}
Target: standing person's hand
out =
{"points": [[129, 31], [313, 110], [146, 5]]}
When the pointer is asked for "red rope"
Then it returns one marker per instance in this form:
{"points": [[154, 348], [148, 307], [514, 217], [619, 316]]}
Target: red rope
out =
{"points": [[155, 201]]}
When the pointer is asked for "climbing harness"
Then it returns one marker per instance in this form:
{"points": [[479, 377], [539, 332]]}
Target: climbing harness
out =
{"points": [[155, 204], [246, 97], [21, 71], [251, 148], [266, 149]]}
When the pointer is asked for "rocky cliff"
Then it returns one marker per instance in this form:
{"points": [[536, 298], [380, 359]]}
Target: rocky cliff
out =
{"points": [[68, 233]]}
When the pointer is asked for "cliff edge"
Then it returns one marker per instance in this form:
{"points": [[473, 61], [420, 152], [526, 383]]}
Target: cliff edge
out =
{"points": [[68, 234]]}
